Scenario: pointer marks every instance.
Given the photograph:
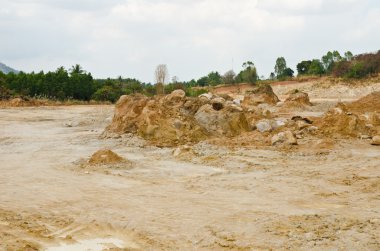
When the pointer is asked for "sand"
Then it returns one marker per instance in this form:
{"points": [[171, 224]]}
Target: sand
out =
{"points": [[217, 198]]}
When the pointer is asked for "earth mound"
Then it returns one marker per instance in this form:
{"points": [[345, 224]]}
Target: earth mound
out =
{"points": [[176, 119], [104, 157], [369, 103], [261, 94], [297, 99], [341, 121]]}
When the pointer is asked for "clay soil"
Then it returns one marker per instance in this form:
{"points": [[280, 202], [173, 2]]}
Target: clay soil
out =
{"points": [[322, 195]]}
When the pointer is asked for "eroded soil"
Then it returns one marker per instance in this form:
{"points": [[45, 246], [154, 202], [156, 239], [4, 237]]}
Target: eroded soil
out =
{"points": [[216, 198]]}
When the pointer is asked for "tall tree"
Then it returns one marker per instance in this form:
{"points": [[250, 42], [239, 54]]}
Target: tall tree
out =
{"points": [[228, 77], [280, 67], [161, 75], [248, 74], [348, 55]]}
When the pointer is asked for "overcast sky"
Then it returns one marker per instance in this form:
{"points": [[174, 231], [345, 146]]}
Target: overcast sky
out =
{"points": [[128, 38]]}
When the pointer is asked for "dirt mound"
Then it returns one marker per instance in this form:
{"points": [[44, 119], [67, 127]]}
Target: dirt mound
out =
{"points": [[299, 98], [176, 119], [104, 157], [339, 121], [369, 103], [262, 93], [22, 102]]}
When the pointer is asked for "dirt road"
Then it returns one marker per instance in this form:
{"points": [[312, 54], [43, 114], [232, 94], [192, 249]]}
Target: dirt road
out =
{"points": [[245, 199]]}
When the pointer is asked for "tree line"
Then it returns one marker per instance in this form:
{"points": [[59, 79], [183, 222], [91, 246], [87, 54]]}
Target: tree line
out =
{"points": [[78, 84]]}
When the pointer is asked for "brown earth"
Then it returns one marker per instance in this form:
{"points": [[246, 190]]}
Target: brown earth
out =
{"points": [[223, 193], [105, 157]]}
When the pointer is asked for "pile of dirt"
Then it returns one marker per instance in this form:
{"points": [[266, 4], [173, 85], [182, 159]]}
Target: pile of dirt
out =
{"points": [[261, 94], [297, 99], [105, 157], [340, 121], [176, 119], [22, 102], [369, 103]]}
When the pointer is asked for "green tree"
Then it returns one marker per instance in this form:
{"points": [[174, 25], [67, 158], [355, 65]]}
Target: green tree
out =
{"points": [[248, 74], [316, 67], [280, 67], [348, 55], [214, 78], [303, 67]]}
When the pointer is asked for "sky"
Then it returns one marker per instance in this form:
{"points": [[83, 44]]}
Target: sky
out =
{"points": [[129, 38]]}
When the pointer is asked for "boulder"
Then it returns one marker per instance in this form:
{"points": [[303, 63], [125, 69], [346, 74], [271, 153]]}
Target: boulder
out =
{"points": [[286, 138], [298, 97], [264, 125], [261, 94], [376, 140]]}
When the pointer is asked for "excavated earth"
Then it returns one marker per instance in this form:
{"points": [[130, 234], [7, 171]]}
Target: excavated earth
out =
{"points": [[310, 182]]}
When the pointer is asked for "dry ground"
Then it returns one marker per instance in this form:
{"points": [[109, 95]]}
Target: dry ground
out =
{"points": [[217, 199]]}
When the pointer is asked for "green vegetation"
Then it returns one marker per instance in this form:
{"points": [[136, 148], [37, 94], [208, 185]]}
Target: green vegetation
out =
{"points": [[349, 66], [77, 84]]}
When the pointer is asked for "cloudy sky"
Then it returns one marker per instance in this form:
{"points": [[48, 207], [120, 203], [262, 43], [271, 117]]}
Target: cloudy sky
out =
{"points": [[110, 38]]}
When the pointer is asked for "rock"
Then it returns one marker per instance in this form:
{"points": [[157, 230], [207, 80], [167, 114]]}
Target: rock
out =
{"points": [[262, 93], [336, 111], [180, 150], [365, 137], [306, 120], [176, 98], [286, 138], [237, 101], [280, 104], [311, 129], [277, 123], [298, 97], [227, 121], [376, 140], [206, 95], [218, 103], [264, 125], [301, 124]]}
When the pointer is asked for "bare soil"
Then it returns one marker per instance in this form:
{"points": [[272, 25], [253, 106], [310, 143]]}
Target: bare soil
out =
{"points": [[321, 195]]}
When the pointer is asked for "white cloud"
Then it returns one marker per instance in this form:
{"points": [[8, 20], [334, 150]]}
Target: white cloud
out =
{"points": [[130, 37]]}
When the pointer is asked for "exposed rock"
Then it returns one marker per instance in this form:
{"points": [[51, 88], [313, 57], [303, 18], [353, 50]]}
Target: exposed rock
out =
{"points": [[301, 124], [264, 125], [228, 122], [261, 94], [369, 103], [286, 138], [376, 140], [207, 96], [299, 118], [176, 119], [343, 123], [298, 97]]}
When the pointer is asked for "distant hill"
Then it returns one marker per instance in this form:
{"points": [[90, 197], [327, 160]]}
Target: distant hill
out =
{"points": [[6, 69]]}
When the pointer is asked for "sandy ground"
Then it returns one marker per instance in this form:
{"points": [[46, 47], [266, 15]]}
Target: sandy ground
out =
{"points": [[221, 199]]}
